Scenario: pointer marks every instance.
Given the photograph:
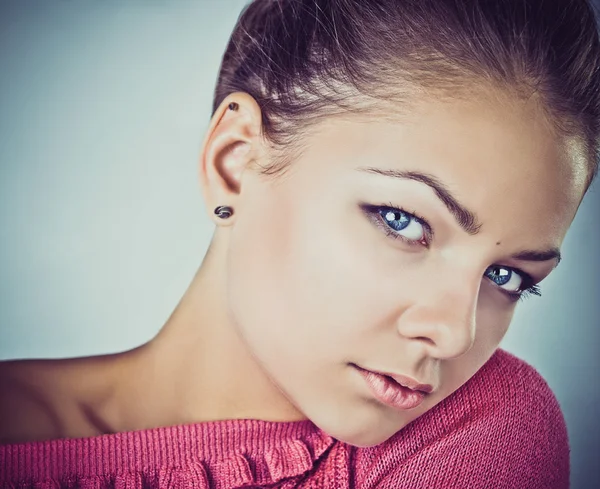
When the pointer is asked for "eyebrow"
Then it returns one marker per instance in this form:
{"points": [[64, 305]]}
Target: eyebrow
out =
{"points": [[533, 255], [465, 218]]}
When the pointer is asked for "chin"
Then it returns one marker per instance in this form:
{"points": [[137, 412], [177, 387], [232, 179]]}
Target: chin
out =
{"points": [[364, 439], [365, 431]]}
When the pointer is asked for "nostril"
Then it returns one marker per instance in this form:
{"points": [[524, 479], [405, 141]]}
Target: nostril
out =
{"points": [[425, 339]]}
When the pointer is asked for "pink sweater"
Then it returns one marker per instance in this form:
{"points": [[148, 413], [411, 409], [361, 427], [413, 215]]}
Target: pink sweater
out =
{"points": [[502, 429]]}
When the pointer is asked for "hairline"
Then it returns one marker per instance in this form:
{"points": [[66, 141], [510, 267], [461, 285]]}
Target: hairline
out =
{"points": [[402, 100]]}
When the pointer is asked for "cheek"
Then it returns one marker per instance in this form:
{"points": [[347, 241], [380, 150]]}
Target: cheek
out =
{"points": [[303, 280], [493, 321], [494, 316]]}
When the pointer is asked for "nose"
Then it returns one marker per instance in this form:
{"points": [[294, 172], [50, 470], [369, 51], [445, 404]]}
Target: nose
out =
{"points": [[442, 315]]}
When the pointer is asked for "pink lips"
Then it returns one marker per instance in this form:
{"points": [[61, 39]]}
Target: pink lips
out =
{"points": [[397, 391], [410, 383]]}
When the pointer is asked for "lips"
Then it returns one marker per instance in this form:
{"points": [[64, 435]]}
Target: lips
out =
{"points": [[408, 382], [395, 390]]}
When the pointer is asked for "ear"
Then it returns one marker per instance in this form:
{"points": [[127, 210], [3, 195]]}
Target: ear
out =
{"points": [[231, 144]]}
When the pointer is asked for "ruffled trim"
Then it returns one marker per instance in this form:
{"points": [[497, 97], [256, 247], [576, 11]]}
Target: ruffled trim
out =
{"points": [[212, 455]]}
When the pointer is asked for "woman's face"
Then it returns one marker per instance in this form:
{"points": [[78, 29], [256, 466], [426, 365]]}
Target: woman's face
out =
{"points": [[398, 248]]}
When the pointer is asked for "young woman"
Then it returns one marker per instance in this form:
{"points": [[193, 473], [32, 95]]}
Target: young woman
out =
{"points": [[388, 178]]}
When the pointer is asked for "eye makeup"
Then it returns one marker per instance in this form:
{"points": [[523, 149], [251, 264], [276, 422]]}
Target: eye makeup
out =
{"points": [[378, 215]]}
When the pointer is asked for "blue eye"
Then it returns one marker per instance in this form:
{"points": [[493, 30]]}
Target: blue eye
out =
{"points": [[514, 283], [414, 230], [503, 276], [399, 224], [403, 224]]}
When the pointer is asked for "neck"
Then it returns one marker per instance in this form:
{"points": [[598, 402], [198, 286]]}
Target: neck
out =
{"points": [[198, 368]]}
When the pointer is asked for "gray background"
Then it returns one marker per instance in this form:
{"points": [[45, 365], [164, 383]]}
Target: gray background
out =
{"points": [[103, 107]]}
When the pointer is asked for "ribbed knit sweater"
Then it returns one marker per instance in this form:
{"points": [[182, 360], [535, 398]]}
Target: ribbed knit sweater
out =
{"points": [[502, 429]]}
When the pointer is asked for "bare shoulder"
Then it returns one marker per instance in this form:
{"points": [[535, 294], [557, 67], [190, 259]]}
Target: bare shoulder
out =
{"points": [[26, 403], [40, 399]]}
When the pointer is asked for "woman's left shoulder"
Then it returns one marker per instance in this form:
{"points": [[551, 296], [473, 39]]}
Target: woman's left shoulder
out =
{"points": [[510, 382], [503, 428], [507, 397]]}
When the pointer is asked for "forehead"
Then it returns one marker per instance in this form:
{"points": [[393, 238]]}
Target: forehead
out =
{"points": [[500, 157]]}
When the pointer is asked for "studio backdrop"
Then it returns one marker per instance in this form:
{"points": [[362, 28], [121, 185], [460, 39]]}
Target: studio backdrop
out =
{"points": [[103, 108]]}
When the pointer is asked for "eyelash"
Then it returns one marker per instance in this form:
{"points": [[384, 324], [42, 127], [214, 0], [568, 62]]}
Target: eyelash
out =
{"points": [[529, 287], [374, 212]]}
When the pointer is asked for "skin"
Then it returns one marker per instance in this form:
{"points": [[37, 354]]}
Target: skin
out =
{"points": [[301, 284]]}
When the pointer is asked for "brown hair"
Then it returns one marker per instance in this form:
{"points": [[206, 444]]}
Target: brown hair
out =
{"points": [[303, 60]]}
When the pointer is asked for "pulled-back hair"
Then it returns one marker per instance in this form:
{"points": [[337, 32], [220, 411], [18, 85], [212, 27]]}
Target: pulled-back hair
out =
{"points": [[303, 60]]}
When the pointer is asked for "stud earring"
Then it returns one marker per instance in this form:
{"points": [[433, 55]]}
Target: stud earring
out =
{"points": [[224, 211], [233, 106]]}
